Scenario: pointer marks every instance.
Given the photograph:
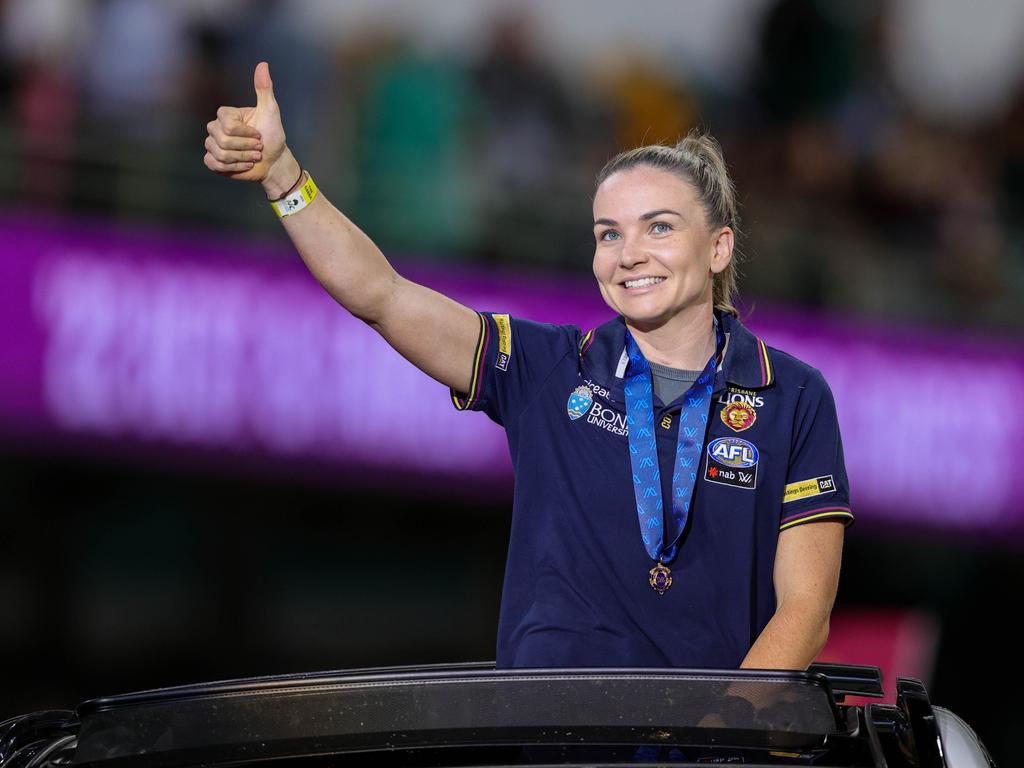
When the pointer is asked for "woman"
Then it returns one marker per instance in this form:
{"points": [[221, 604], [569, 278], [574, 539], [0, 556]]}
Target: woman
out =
{"points": [[668, 463]]}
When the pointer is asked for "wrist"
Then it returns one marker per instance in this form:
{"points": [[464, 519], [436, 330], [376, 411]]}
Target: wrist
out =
{"points": [[283, 176], [295, 201]]}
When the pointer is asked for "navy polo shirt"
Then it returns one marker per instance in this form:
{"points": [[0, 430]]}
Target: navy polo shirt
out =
{"points": [[576, 590]]}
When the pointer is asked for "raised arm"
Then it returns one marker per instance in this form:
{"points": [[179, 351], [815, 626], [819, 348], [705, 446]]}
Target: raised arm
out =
{"points": [[433, 332]]}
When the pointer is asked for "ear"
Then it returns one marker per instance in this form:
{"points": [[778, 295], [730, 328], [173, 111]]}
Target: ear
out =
{"points": [[722, 253]]}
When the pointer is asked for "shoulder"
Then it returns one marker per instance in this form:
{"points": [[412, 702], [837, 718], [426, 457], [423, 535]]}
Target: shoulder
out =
{"points": [[504, 324], [533, 333], [752, 363], [512, 339], [790, 370], [805, 389]]}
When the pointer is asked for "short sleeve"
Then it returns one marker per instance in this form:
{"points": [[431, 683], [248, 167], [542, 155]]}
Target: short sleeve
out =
{"points": [[816, 485], [513, 360]]}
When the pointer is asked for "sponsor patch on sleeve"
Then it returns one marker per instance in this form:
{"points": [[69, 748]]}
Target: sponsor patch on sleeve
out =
{"points": [[504, 341], [806, 488]]}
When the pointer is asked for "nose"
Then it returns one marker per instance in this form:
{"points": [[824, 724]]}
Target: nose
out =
{"points": [[631, 254]]}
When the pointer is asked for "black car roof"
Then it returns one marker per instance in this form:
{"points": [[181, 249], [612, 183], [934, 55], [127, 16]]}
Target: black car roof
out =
{"points": [[465, 705]]}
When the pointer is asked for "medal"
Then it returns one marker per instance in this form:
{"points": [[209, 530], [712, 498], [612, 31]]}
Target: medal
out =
{"points": [[661, 578], [662, 546]]}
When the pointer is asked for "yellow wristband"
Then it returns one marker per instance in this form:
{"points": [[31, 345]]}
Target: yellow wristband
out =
{"points": [[297, 200]]}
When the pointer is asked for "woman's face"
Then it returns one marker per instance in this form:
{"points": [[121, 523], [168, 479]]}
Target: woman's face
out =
{"points": [[655, 253]]}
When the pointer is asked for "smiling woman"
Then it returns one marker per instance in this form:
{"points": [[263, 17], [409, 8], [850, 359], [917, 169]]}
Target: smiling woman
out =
{"points": [[658, 266], [667, 462], [696, 160]]}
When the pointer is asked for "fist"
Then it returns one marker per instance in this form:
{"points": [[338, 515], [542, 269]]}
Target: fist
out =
{"points": [[245, 142]]}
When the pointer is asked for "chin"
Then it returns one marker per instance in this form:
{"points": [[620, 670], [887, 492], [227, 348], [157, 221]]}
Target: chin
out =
{"points": [[645, 320], [648, 311]]}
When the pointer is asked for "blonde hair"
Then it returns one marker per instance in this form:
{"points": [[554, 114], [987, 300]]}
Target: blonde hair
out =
{"points": [[698, 159]]}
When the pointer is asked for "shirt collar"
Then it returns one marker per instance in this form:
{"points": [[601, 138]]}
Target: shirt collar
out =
{"points": [[746, 362]]}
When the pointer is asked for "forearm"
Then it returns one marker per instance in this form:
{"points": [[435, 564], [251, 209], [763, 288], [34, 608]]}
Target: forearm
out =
{"points": [[347, 263], [793, 638], [248, 144]]}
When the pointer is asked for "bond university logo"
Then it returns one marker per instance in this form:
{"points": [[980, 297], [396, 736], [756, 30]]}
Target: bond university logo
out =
{"points": [[582, 403], [579, 402], [732, 461], [738, 416]]}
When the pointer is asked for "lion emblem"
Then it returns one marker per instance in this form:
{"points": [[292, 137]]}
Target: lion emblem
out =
{"points": [[738, 416]]}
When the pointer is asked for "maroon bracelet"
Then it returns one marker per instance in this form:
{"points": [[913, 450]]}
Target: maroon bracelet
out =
{"points": [[288, 191]]}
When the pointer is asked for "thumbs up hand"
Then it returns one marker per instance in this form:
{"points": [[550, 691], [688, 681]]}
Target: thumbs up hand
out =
{"points": [[248, 143]]}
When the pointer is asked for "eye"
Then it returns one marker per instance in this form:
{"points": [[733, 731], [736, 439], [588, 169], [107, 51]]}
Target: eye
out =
{"points": [[660, 228], [608, 235]]}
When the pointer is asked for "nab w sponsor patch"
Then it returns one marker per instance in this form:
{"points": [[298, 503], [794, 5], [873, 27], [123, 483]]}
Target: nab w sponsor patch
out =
{"points": [[732, 461], [504, 341], [807, 488]]}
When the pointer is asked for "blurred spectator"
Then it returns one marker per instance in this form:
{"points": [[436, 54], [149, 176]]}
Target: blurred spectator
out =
{"points": [[806, 59], [42, 40], [208, 86], [972, 248], [413, 121], [650, 105], [135, 76], [268, 30], [523, 153], [134, 62], [1010, 146], [1010, 177], [852, 185]]}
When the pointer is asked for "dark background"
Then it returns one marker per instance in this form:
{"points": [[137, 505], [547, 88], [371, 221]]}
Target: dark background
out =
{"points": [[122, 579], [879, 152]]}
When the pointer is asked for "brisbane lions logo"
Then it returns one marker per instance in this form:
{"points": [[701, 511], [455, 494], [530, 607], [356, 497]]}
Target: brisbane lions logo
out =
{"points": [[738, 416]]}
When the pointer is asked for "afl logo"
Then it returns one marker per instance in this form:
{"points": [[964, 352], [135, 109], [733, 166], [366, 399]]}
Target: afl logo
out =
{"points": [[579, 402], [733, 452], [738, 416]]}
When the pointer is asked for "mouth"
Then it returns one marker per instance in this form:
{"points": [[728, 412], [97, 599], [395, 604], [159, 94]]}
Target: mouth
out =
{"points": [[642, 282]]}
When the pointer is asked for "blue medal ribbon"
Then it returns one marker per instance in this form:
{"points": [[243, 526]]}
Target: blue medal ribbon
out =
{"points": [[643, 448]]}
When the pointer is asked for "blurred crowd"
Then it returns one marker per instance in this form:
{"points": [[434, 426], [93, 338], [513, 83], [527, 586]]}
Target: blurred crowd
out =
{"points": [[854, 198]]}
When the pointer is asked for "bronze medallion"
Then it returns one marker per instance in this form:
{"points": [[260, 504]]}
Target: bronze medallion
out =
{"points": [[661, 578]]}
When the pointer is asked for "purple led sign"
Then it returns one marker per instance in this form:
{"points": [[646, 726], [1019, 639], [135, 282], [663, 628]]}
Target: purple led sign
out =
{"points": [[175, 341]]}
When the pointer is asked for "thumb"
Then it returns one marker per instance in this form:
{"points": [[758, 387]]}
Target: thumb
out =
{"points": [[264, 85]]}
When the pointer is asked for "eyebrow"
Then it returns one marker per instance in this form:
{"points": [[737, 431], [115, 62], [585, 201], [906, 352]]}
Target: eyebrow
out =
{"points": [[644, 217]]}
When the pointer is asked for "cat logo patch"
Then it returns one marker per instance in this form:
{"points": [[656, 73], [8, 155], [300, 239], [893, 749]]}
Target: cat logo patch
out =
{"points": [[805, 488], [504, 341], [738, 416]]}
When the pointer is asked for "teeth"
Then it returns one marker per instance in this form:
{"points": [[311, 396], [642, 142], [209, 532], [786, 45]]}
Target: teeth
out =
{"points": [[643, 282]]}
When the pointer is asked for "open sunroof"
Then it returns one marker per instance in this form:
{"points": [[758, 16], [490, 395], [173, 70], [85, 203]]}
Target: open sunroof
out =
{"points": [[410, 708]]}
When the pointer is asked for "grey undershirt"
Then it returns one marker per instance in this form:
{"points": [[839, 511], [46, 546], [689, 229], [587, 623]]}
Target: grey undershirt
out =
{"points": [[670, 383]]}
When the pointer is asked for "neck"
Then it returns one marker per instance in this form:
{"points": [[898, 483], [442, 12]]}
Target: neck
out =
{"points": [[685, 342]]}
